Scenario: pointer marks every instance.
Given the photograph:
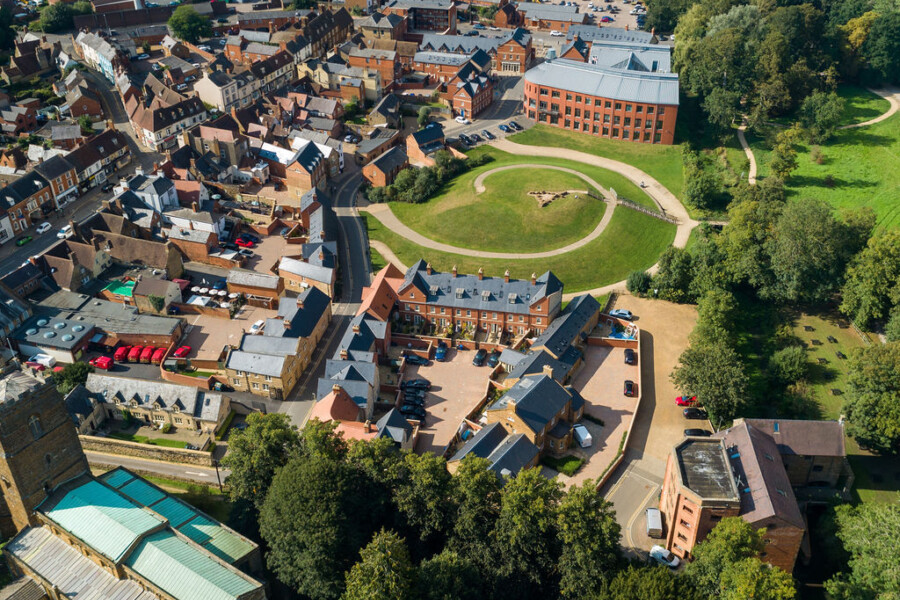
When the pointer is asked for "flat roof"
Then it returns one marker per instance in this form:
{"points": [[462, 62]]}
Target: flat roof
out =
{"points": [[705, 470]]}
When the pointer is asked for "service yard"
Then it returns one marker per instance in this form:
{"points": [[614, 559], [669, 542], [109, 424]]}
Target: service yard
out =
{"points": [[456, 387], [207, 335]]}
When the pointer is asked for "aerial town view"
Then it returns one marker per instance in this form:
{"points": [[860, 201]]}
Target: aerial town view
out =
{"points": [[450, 300]]}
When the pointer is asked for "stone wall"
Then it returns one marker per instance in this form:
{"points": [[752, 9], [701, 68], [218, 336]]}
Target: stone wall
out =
{"points": [[123, 448]]}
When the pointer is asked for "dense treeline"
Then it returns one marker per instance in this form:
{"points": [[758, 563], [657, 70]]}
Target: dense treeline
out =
{"points": [[417, 185], [362, 520], [767, 58]]}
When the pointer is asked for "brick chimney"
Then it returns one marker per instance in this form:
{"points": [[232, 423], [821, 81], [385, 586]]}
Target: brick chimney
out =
{"points": [[287, 324], [548, 371], [356, 329], [368, 427], [344, 354], [33, 260], [322, 235], [506, 276], [480, 273], [110, 124], [321, 254], [336, 388], [454, 271], [653, 31], [195, 207], [155, 167], [533, 279], [428, 268], [626, 27]]}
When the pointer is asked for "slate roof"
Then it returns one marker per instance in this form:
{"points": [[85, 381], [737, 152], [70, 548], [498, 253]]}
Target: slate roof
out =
{"points": [[253, 279], [803, 438], [17, 384], [390, 160], [593, 33], [632, 57], [24, 588], [459, 44], [200, 404], [537, 399], [380, 21], [606, 82], [551, 12], [488, 294], [534, 362], [301, 321], [22, 188], [566, 327], [441, 58], [305, 269], [395, 426], [508, 454], [388, 106], [370, 329]]}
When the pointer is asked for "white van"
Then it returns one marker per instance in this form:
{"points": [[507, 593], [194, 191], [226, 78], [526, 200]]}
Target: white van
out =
{"points": [[582, 436], [654, 523]]}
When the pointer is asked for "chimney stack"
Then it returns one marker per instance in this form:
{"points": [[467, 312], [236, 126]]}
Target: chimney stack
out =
{"points": [[356, 329], [155, 167], [626, 27], [506, 276], [321, 255], [336, 388], [368, 426], [33, 260], [428, 268], [454, 271], [653, 31], [195, 207], [344, 354], [480, 273], [110, 124], [533, 279], [548, 371]]}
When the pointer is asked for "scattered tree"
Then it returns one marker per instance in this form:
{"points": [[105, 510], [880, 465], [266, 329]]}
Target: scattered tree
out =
{"points": [[157, 303], [873, 280], [425, 496], [450, 576], [384, 571], [648, 583], [72, 375], [673, 278], [892, 329], [730, 541], [784, 153], [187, 24], [752, 578], [713, 371], [638, 282], [424, 113], [789, 364], [820, 114]]}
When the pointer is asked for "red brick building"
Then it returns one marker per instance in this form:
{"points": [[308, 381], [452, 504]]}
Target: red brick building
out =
{"points": [[427, 15], [610, 102], [383, 170], [384, 62], [440, 66]]}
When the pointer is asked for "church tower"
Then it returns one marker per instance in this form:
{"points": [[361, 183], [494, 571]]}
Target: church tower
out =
{"points": [[39, 448]]}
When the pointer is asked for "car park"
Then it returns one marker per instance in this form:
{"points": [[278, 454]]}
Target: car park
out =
{"points": [[23, 240], [487, 134], [121, 353], [621, 313], [664, 557], [43, 227], [582, 435], [479, 357], [65, 232], [493, 359], [630, 357], [101, 362], [182, 351], [629, 388], [694, 413], [147, 354], [686, 400], [697, 433]]}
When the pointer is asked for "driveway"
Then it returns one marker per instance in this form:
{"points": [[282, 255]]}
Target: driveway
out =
{"points": [[456, 387]]}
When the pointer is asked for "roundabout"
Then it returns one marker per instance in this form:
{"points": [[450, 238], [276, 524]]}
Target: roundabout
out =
{"points": [[590, 249]]}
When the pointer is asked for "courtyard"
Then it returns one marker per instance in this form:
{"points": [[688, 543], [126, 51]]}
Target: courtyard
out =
{"points": [[207, 335]]}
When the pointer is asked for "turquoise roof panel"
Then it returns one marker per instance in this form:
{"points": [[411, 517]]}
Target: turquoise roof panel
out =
{"points": [[184, 572], [142, 492], [217, 539], [103, 518], [117, 478], [200, 529], [177, 512]]}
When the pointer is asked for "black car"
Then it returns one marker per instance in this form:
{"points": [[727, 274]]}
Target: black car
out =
{"points": [[107, 187], [697, 432], [479, 357], [414, 359], [416, 383], [488, 134], [413, 411], [466, 139], [694, 413], [249, 237], [630, 357], [629, 388], [222, 20], [476, 137], [493, 358], [515, 126], [230, 246], [415, 401]]}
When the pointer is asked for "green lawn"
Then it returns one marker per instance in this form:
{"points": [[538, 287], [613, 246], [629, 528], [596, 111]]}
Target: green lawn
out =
{"points": [[861, 104], [631, 241], [378, 261], [143, 439], [661, 162], [504, 218], [864, 165]]}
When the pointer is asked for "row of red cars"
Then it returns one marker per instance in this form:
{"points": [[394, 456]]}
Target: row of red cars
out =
{"points": [[133, 354]]}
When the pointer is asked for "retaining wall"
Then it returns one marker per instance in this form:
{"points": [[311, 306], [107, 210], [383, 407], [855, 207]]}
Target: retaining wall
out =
{"points": [[123, 448]]}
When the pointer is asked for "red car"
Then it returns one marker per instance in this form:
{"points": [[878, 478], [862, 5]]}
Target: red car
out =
{"points": [[102, 362], [158, 356], [121, 354], [182, 352], [134, 355], [686, 401], [147, 354], [244, 243]]}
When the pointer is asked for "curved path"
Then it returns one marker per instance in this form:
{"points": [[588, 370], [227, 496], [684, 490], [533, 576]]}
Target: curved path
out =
{"points": [[479, 181], [751, 173], [383, 213], [892, 95]]}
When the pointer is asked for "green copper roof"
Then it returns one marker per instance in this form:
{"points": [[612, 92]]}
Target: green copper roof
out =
{"points": [[102, 518], [142, 492], [184, 572], [215, 538]]}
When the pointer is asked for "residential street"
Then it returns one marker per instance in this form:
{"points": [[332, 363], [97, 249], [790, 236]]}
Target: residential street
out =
{"points": [[205, 475]]}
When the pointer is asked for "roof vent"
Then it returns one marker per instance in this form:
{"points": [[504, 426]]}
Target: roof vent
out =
{"points": [[31, 331], [78, 328], [43, 323], [68, 337], [50, 334], [59, 326]]}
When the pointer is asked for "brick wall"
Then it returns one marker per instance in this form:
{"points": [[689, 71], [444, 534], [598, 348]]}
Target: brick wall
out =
{"points": [[123, 448]]}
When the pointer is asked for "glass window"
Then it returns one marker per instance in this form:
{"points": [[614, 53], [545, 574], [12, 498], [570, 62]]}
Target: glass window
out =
{"points": [[555, 94], [615, 133], [662, 110], [649, 110], [618, 106], [607, 104], [659, 124], [627, 108], [569, 97], [627, 121], [606, 131]]}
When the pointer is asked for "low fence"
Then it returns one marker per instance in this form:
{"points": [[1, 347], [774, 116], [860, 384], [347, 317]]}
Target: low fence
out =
{"points": [[122, 448], [656, 214]]}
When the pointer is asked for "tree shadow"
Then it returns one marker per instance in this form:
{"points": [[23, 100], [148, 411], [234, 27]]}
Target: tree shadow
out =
{"points": [[827, 181]]}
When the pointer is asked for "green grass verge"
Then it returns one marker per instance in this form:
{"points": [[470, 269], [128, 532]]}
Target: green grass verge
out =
{"points": [[662, 162], [567, 465], [378, 261], [861, 104], [143, 439], [225, 426], [504, 218], [864, 166], [631, 241]]}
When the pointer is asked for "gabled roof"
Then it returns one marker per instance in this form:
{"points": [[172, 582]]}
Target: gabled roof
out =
{"points": [[607, 82], [565, 328], [395, 426], [336, 406], [537, 399], [390, 160], [508, 454], [297, 322]]}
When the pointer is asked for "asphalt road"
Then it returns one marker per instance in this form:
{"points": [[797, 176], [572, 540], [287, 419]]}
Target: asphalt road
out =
{"points": [[205, 475]]}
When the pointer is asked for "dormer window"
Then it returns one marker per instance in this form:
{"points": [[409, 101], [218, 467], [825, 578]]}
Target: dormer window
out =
{"points": [[459, 292]]}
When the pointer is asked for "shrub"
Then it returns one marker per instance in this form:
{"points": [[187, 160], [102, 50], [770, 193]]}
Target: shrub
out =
{"points": [[829, 181], [167, 428], [638, 282], [892, 329], [789, 364], [815, 155]]}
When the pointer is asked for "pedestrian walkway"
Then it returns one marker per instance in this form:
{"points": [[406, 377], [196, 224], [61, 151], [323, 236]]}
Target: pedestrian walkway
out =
{"points": [[892, 95], [751, 173]]}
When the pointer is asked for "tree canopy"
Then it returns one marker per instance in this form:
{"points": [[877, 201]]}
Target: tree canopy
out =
{"points": [[189, 25], [871, 407], [869, 534]]}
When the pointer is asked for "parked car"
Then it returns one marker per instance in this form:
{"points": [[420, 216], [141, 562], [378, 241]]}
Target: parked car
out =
{"points": [[142, 56], [607, 19], [664, 557], [43, 227], [101, 362], [65, 232], [582, 435], [630, 357], [220, 285], [134, 355], [147, 354], [415, 359], [480, 355], [257, 327], [23, 240], [556, 33], [174, 310], [182, 351], [515, 126], [476, 137], [697, 432], [121, 353], [412, 410], [222, 20], [440, 353], [420, 383], [487, 134], [413, 400], [462, 120], [181, 87], [157, 356], [503, 128], [204, 47], [246, 252], [478, 26], [249, 236], [621, 313], [494, 28], [244, 243], [694, 413], [107, 187], [686, 400], [230, 246], [44, 360], [629, 388], [493, 359]]}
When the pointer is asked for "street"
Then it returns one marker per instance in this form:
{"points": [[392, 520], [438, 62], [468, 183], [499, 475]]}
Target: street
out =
{"points": [[206, 475]]}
